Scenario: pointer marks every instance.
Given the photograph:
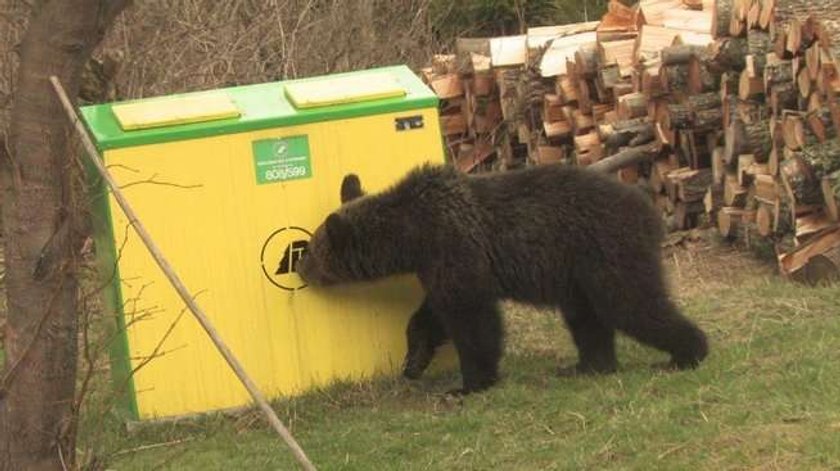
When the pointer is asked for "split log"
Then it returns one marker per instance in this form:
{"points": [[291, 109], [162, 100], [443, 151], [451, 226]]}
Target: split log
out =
{"points": [[658, 174], [796, 134], [600, 110], [552, 108], [679, 116], [730, 54], [582, 123], [830, 186], [820, 119], [566, 89], [745, 161], [750, 87], [777, 73], [680, 54], [783, 96], [823, 158], [811, 224], [804, 83], [765, 188], [633, 105], [718, 167], [733, 193], [691, 186], [686, 213], [708, 119], [758, 140], [557, 129], [700, 78], [747, 138], [651, 82], [764, 219], [586, 60], [626, 133], [713, 199], [626, 157], [766, 17], [674, 78], [704, 101], [730, 221], [794, 262], [609, 75], [758, 45], [800, 183], [783, 216], [588, 148]]}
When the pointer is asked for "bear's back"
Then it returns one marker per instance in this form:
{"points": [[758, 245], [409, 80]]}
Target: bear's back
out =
{"points": [[544, 217]]}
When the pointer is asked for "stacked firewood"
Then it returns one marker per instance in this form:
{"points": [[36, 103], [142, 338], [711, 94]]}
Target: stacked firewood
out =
{"points": [[777, 168], [725, 111]]}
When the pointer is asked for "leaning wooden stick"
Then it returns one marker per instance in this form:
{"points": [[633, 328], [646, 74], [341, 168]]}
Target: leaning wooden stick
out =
{"points": [[93, 155]]}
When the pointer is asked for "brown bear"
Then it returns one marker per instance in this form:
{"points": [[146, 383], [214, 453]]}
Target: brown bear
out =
{"points": [[550, 235]]}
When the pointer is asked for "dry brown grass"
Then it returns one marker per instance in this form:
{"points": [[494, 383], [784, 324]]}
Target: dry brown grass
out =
{"points": [[174, 46]]}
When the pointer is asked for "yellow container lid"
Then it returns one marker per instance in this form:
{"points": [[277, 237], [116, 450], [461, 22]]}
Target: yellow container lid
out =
{"points": [[166, 111], [343, 89]]}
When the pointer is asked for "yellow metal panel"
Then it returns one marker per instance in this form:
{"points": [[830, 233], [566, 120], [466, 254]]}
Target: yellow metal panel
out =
{"points": [[202, 204], [168, 111], [338, 90]]}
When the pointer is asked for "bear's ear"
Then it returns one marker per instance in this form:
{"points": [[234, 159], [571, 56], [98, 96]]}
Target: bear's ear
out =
{"points": [[351, 188], [339, 230]]}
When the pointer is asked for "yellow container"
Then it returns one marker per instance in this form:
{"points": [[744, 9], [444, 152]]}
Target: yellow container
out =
{"points": [[231, 183]]}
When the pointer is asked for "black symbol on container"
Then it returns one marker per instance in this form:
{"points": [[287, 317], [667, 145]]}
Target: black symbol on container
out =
{"points": [[280, 255], [408, 123], [291, 256]]}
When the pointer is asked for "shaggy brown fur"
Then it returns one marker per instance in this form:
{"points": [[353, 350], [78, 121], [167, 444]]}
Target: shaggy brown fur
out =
{"points": [[548, 235]]}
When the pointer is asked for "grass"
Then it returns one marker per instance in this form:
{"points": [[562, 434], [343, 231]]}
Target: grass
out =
{"points": [[766, 398]]}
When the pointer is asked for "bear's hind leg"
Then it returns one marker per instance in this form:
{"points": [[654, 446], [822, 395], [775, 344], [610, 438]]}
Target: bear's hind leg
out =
{"points": [[476, 331], [658, 323], [595, 341]]}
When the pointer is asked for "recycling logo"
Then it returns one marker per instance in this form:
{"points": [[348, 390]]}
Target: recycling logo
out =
{"points": [[280, 255]]}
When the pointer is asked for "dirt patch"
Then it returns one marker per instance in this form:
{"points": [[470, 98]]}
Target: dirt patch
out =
{"points": [[697, 262]]}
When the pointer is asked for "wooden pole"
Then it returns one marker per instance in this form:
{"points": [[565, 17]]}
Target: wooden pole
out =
{"points": [[93, 155]]}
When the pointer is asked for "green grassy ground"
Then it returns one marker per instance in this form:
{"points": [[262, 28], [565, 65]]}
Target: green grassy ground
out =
{"points": [[768, 397]]}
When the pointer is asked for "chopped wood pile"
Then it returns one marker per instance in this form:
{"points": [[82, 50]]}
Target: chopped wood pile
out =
{"points": [[725, 111]]}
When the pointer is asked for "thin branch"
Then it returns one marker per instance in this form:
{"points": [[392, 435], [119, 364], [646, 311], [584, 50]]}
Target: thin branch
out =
{"points": [[95, 158]]}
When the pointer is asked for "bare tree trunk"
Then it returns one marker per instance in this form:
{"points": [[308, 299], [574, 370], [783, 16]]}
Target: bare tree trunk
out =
{"points": [[37, 389]]}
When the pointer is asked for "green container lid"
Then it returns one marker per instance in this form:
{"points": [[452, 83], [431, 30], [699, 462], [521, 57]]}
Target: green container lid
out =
{"points": [[253, 107]]}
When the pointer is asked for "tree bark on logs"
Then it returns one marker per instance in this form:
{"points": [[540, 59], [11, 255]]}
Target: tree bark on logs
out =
{"points": [[679, 116], [705, 120], [721, 18], [700, 78], [777, 73], [628, 156], [626, 133], [758, 45], [674, 78], [823, 158], [830, 186], [731, 53], [783, 96], [704, 101], [758, 140], [680, 54], [586, 59], [802, 186]]}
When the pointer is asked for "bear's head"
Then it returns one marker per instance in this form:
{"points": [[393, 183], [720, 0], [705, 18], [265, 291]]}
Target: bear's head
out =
{"points": [[329, 255]]}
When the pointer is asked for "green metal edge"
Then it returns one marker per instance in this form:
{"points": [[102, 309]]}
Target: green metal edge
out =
{"points": [[106, 259], [263, 106]]}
